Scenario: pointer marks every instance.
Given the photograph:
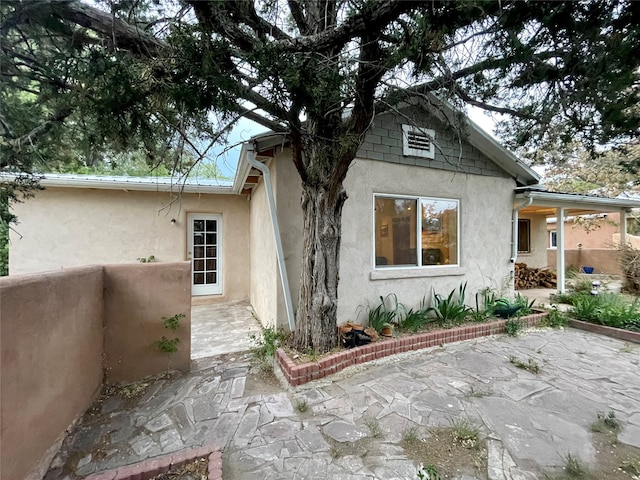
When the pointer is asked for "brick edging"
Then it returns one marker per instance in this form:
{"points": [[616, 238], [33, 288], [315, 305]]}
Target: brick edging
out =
{"points": [[149, 468], [299, 374], [618, 333]]}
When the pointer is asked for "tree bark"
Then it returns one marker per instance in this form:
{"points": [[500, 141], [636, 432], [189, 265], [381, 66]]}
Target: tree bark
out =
{"points": [[317, 309]]}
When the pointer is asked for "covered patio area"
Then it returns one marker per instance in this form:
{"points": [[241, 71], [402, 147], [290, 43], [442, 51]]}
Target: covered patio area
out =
{"points": [[532, 207]]}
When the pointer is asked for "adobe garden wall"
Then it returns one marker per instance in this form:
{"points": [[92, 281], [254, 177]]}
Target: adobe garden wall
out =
{"points": [[55, 328]]}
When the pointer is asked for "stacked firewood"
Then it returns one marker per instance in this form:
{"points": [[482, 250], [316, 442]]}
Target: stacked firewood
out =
{"points": [[534, 277]]}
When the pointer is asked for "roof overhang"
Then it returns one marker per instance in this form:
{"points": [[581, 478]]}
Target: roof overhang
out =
{"points": [[479, 138], [546, 203], [151, 184], [265, 145]]}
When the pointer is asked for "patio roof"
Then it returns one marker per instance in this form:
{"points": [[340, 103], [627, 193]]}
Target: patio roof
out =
{"points": [[546, 203]]}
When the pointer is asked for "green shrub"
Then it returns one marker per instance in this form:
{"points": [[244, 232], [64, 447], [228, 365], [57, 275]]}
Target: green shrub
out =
{"points": [[450, 309], [412, 319], [555, 319], [525, 304], [586, 307], [382, 316], [512, 326], [267, 342]]}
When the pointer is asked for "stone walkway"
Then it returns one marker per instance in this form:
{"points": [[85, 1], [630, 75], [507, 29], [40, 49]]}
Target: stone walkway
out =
{"points": [[221, 328], [532, 421]]}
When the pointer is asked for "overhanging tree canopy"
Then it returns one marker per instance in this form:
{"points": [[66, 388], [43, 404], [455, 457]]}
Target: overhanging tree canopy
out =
{"points": [[129, 72]]}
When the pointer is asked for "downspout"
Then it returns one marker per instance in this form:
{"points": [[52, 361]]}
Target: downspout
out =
{"points": [[514, 234], [251, 159]]}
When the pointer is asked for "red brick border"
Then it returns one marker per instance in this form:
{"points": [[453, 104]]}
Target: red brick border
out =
{"points": [[618, 333], [154, 466], [299, 374]]}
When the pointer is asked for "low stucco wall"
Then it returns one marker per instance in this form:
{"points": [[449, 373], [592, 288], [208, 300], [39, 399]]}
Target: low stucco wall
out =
{"points": [[51, 341], [54, 329], [136, 297], [602, 259]]}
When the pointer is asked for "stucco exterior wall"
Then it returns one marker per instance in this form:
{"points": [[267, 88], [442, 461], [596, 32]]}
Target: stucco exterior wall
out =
{"points": [[537, 257], [51, 349], [485, 235], [264, 265], [291, 226], [601, 259], [600, 234], [136, 297], [67, 227]]}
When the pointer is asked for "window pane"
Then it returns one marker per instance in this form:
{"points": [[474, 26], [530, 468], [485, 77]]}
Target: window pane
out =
{"points": [[198, 265], [198, 225], [211, 277], [439, 232], [524, 236], [211, 238], [211, 264], [395, 234], [198, 238], [198, 278], [211, 225], [198, 252]]}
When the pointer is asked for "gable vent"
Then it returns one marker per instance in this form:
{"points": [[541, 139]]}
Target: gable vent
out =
{"points": [[418, 142]]}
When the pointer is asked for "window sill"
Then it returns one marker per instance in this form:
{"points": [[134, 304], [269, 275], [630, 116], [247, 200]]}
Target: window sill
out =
{"points": [[409, 272]]}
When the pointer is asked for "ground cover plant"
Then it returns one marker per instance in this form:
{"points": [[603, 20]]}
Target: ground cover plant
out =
{"points": [[609, 309], [447, 452]]}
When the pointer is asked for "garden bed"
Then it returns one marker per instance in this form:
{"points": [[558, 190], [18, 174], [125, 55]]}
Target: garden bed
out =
{"points": [[152, 467], [619, 333], [336, 362]]}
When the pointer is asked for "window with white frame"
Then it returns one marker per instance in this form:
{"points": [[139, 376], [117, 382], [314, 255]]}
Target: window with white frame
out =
{"points": [[524, 236], [418, 142], [416, 231], [553, 239]]}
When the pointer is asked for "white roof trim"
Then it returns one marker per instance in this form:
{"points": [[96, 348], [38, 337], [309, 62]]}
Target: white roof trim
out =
{"points": [[570, 200], [155, 184]]}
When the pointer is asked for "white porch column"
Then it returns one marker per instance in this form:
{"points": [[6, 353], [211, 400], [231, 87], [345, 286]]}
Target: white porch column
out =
{"points": [[623, 227], [560, 248]]}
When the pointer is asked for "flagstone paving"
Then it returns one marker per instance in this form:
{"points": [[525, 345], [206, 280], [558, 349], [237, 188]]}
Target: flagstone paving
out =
{"points": [[531, 421]]}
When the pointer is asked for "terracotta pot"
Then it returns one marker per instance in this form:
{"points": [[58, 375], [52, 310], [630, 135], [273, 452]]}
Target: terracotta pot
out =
{"points": [[345, 329], [355, 326], [386, 332]]}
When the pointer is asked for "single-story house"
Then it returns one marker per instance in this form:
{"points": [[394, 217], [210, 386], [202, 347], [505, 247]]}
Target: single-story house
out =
{"points": [[428, 209]]}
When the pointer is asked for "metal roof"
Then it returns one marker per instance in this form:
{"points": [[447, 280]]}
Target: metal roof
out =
{"points": [[545, 202], [123, 182]]}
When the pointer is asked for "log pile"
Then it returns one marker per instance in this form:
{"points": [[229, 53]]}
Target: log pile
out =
{"points": [[526, 277]]}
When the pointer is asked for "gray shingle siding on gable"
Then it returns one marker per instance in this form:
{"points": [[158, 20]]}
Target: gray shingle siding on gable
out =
{"points": [[383, 142]]}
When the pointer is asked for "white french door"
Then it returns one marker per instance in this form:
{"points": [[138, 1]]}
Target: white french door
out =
{"points": [[205, 252]]}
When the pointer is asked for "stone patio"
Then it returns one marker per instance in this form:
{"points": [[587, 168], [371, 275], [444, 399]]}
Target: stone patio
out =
{"points": [[531, 421]]}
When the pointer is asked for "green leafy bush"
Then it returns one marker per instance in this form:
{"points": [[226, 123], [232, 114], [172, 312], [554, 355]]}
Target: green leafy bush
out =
{"points": [[382, 316], [413, 319], [451, 309]]}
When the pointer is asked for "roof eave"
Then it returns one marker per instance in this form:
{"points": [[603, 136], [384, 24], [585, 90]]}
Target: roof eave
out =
{"points": [[551, 199], [115, 184]]}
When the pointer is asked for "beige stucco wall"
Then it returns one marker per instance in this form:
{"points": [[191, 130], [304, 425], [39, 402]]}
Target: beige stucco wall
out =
{"points": [[603, 260], [537, 257], [66, 227], [485, 235], [291, 226], [136, 297], [599, 235], [485, 209], [264, 266], [51, 350]]}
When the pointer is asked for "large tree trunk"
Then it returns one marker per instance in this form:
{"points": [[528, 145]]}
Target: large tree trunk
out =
{"points": [[316, 320]]}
